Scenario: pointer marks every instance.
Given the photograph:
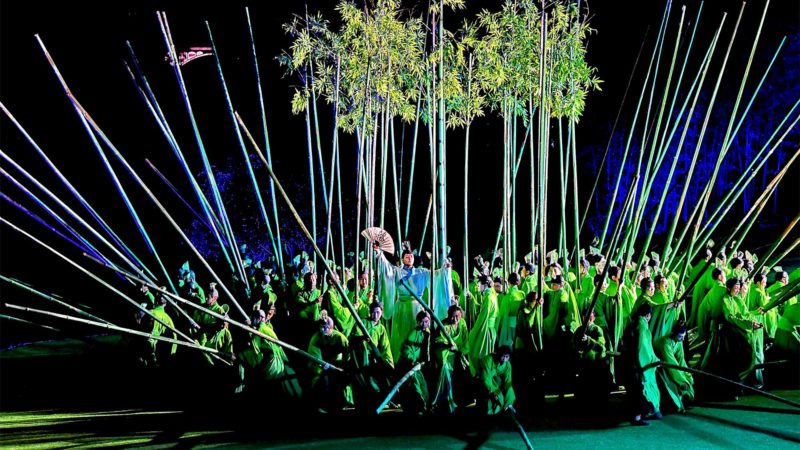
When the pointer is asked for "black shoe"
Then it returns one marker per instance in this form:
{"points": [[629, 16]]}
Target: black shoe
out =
{"points": [[639, 423], [655, 416]]}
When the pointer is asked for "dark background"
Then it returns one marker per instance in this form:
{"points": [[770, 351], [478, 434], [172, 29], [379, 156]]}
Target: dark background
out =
{"points": [[87, 42]]}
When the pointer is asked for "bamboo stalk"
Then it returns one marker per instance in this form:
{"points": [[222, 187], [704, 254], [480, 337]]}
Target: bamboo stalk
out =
{"points": [[267, 149], [630, 134], [85, 243], [16, 319], [256, 190], [49, 297], [177, 194], [141, 183], [788, 250], [777, 242], [712, 180]]}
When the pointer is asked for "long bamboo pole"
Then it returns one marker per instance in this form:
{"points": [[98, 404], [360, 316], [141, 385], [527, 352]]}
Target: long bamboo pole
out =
{"points": [[84, 243], [256, 189], [626, 150], [49, 297], [177, 194], [267, 148], [147, 190], [28, 322], [712, 180]]}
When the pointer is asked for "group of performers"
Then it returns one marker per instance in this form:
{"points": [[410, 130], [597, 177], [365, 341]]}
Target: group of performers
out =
{"points": [[498, 340]]}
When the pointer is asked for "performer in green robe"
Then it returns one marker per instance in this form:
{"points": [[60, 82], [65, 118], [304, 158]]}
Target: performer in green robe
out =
{"points": [[561, 312], [306, 308], [342, 317], [594, 374], [262, 361], [730, 352], [162, 351], [711, 305], [584, 289], [781, 280], [609, 313], [329, 387], [787, 334], [206, 322], [666, 312], [638, 367], [365, 298], [706, 283], [450, 361], [483, 336], [509, 304], [678, 386], [416, 349], [528, 353], [495, 376], [371, 376]]}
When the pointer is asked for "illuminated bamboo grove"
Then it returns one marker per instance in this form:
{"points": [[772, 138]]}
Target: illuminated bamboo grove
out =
{"points": [[385, 67]]}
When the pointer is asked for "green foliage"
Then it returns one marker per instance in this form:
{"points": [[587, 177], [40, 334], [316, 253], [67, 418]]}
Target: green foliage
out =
{"points": [[378, 59]]}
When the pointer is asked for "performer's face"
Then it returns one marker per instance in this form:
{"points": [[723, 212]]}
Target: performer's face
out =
{"points": [[376, 314], [651, 289], [680, 336], [270, 313], [505, 358], [327, 328], [425, 323], [408, 259], [363, 280], [457, 315]]}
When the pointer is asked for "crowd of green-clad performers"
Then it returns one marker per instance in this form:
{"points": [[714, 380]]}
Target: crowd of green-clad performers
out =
{"points": [[493, 341]]}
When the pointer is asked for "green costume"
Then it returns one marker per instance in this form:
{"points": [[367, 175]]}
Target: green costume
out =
{"points": [[266, 361], [529, 329], [508, 307], [787, 335], [341, 314], [416, 348], [447, 362], [495, 376], [678, 385], [710, 307], [307, 304], [585, 293], [161, 330], [609, 316], [331, 388], [639, 359], [371, 377], [207, 322], [730, 351], [483, 336], [561, 313]]}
